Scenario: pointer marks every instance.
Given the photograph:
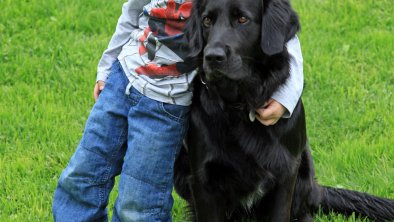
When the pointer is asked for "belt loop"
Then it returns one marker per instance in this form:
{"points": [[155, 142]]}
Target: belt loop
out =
{"points": [[128, 88]]}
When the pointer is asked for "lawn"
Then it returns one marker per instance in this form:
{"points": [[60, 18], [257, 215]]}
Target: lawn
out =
{"points": [[49, 51]]}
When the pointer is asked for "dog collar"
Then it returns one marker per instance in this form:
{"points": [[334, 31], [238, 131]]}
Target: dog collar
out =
{"points": [[252, 113]]}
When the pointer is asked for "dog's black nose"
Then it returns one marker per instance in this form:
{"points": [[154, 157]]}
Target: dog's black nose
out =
{"points": [[215, 55]]}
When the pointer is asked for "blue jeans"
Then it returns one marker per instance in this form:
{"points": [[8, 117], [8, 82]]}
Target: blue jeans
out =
{"points": [[131, 135]]}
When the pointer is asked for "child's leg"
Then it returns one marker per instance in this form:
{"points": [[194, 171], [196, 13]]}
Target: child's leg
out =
{"points": [[156, 131], [84, 186]]}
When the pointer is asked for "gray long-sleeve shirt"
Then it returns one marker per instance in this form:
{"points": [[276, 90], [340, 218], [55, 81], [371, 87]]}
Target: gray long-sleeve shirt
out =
{"points": [[149, 44]]}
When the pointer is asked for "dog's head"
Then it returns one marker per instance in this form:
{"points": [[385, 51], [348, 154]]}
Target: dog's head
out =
{"points": [[229, 35]]}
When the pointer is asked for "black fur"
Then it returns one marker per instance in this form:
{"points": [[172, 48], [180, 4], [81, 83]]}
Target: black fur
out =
{"points": [[229, 157]]}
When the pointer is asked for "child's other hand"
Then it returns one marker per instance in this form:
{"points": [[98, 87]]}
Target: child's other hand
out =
{"points": [[98, 88], [270, 113]]}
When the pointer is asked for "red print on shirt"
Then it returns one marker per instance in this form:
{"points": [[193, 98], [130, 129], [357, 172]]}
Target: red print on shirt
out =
{"points": [[165, 23], [175, 16], [142, 49], [155, 70]]}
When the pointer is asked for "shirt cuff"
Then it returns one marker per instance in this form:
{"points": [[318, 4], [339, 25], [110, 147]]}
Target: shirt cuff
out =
{"points": [[101, 76], [287, 103]]}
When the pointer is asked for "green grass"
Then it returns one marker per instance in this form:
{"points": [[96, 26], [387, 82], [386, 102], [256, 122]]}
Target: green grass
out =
{"points": [[48, 56]]}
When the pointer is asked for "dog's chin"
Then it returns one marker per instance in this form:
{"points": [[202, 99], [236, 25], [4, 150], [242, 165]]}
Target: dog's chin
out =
{"points": [[230, 72]]}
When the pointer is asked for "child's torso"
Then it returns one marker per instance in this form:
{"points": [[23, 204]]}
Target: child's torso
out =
{"points": [[155, 56]]}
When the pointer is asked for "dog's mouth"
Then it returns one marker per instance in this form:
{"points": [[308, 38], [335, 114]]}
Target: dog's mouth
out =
{"points": [[213, 75]]}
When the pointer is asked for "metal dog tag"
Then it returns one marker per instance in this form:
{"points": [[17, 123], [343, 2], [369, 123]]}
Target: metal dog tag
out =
{"points": [[252, 115]]}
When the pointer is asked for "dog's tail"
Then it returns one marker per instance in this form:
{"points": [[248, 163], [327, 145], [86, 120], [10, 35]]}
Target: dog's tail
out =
{"points": [[362, 204]]}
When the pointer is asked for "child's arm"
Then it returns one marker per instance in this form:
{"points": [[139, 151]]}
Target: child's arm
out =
{"points": [[127, 22], [286, 98]]}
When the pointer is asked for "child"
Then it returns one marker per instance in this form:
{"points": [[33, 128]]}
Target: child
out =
{"points": [[136, 127]]}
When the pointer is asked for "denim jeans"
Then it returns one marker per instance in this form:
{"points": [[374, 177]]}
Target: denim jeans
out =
{"points": [[128, 135]]}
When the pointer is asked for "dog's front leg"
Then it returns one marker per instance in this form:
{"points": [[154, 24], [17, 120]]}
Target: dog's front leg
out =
{"points": [[207, 208], [283, 198]]}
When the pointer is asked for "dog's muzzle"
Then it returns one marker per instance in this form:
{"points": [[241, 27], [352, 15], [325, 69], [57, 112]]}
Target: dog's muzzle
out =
{"points": [[215, 60]]}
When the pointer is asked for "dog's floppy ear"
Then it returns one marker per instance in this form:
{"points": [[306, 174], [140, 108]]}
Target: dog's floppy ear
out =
{"points": [[279, 24], [193, 31]]}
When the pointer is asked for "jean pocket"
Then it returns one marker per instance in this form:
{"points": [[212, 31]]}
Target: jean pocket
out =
{"points": [[176, 112]]}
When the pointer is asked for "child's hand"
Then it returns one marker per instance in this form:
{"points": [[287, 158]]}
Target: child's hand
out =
{"points": [[271, 112], [98, 88]]}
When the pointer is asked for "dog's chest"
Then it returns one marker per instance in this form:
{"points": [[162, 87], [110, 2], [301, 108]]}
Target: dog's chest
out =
{"points": [[248, 201]]}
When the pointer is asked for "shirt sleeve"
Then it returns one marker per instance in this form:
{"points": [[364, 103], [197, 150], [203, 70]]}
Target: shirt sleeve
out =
{"points": [[127, 22], [289, 93]]}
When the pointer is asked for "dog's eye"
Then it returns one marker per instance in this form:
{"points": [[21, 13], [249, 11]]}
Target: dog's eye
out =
{"points": [[243, 20], [206, 22]]}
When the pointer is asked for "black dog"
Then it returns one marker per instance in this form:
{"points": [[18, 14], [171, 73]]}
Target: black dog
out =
{"points": [[235, 169]]}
